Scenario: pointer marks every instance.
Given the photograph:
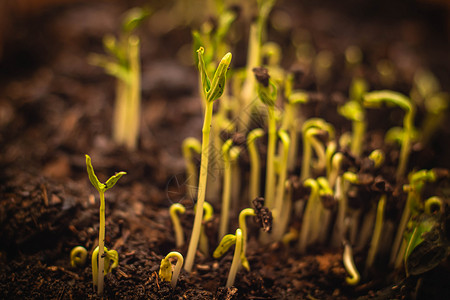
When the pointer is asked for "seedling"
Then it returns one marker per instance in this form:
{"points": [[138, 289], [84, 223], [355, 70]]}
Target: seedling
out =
{"points": [[165, 270], [225, 244], [212, 90], [123, 63], [374, 99], [377, 157], [255, 166], [111, 261], [174, 210], [376, 233], [414, 189], [349, 264], [267, 92], [101, 188], [311, 206], [78, 256], [191, 145], [310, 129], [247, 212], [209, 212]]}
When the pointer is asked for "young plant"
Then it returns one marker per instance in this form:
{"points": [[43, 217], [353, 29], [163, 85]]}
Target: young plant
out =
{"points": [[123, 63], [255, 166], [247, 212], [310, 129], [267, 92], [111, 261], [225, 244], [191, 145], [203, 243], [374, 243], [78, 256], [174, 210], [311, 206], [374, 99], [212, 90], [165, 270], [230, 155], [101, 188], [349, 264]]}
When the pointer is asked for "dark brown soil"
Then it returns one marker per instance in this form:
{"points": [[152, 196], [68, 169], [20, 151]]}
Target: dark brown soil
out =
{"points": [[55, 107]]}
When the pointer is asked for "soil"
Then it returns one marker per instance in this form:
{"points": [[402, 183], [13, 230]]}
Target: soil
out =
{"points": [[55, 107]]}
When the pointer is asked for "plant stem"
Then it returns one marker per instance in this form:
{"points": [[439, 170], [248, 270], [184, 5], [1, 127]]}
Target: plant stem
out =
{"points": [[101, 244], [376, 233], [226, 194], [193, 243], [236, 259], [270, 176], [255, 167], [243, 225], [134, 99]]}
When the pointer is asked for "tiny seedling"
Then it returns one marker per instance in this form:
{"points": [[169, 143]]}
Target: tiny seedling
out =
{"points": [[247, 212], [174, 210], [374, 244], [349, 264], [111, 261], [191, 145], [267, 92], [203, 243], [101, 188], [255, 166], [225, 244], [212, 90], [165, 270], [311, 206], [374, 99], [78, 256]]}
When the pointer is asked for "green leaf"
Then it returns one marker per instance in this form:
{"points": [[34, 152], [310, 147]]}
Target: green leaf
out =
{"points": [[133, 18], [225, 244], [206, 83], [218, 82], [94, 180], [113, 180]]}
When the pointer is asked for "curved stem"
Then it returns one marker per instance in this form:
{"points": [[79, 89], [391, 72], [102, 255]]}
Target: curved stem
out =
{"points": [[243, 225], [307, 217], [255, 166], [173, 211], [189, 145], [177, 270], [349, 265], [226, 194], [193, 243], [236, 259]]}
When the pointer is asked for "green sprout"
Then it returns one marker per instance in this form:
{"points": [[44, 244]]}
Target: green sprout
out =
{"points": [[111, 261], [255, 166], [123, 63], [101, 188], [165, 270], [335, 167], [247, 212], [280, 192], [354, 111], [212, 90], [225, 244], [425, 249], [377, 157], [230, 155], [310, 129], [308, 217], [203, 243], [417, 181], [174, 210], [349, 264], [374, 244], [191, 145], [267, 92], [78, 256], [375, 98]]}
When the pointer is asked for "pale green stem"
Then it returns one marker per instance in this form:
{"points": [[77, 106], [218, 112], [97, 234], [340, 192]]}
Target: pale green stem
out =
{"points": [[406, 143], [270, 172], [329, 152], [308, 215], [278, 209], [134, 99], [101, 244], [255, 167], [189, 145], [119, 112], [400, 229], [376, 233], [177, 270], [335, 168], [236, 259], [226, 193], [310, 142], [78, 256], [193, 243], [247, 212], [349, 265], [359, 131], [173, 211]]}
